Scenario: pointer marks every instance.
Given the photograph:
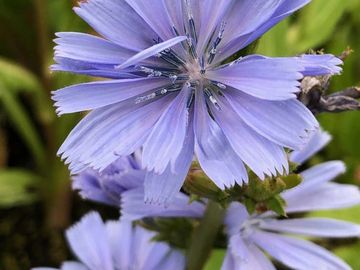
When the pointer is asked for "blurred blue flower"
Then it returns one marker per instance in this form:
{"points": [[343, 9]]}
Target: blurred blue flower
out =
{"points": [[176, 92], [250, 235], [125, 176], [117, 245], [107, 186]]}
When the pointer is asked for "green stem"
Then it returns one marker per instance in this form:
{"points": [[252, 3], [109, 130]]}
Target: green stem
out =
{"points": [[204, 236]]}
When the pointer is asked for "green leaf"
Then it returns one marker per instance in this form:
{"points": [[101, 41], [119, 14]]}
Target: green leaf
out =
{"points": [[291, 180], [275, 43], [17, 187], [18, 80], [250, 205], [261, 190], [349, 214], [350, 254], [216, 259], [22, 123], [317, 22], [276, 204]]}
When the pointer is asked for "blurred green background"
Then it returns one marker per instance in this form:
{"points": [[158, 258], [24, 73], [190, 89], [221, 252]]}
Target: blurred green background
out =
{"points": [[36, 202]]}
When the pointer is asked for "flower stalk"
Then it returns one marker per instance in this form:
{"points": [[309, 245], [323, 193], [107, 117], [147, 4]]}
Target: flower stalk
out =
{"points": [[204, 236]]}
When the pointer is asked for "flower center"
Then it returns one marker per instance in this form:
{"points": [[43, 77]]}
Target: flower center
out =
{"points": [[195, 72]]}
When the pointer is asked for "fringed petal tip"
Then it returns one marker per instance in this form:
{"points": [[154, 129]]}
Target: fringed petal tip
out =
{"points": [[321, 64], [86, 222], [161, 201], [318, 139]]}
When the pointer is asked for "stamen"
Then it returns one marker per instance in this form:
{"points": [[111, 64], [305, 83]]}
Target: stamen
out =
{"points": [[229, 64], [191, 22], [216, 43], [192, 48], [173, 78], [212, 98], [176, 32], [168, 59], [170, 56], [191, 99], [202, 65], [157, 93], [157, 73], [145, 98], [151, 72], [218, 84]]}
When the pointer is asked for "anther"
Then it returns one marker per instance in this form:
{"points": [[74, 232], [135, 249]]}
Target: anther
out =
{"points": [[192, 48], [191, 22], [176, 32], [151, 72], [216, 43], [191, 99], [171, 57], [212, 98], [202, 65], [157, 93], [218, 84], [173, 78]]}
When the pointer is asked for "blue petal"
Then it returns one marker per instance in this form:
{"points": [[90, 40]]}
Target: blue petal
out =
{"points": [[236, 215], [120, 235], [84, 47], [174, 261], [210, 19], [175, 11], [93, 95], [91, 69], [117, 22], [214, 152], [166, 139], [103, 135], [133, 207], [318, 227], [265, 78], [320, 65], [151, 51], [245, 256], [89, 241], [108, 186], [324, 197], [287, 123], [73, 266], [155, 14], [261, 23], [316, 143], [45, 268], [65, 266], [297, 253], [315, 176], [146, 253], [247, 16], [90, 188], [162, 188], [260, 154], [286, 8]]}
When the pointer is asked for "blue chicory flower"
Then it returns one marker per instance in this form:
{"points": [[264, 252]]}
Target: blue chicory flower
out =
{"points": [[125, 176], [117, 245], [175, 93], [250, 235], [107, 186]]}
